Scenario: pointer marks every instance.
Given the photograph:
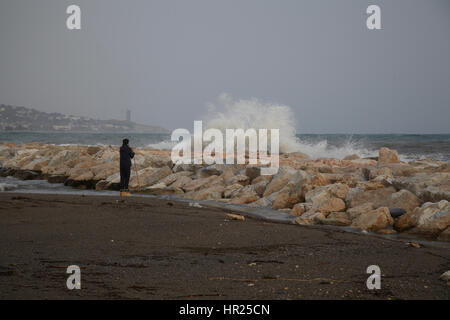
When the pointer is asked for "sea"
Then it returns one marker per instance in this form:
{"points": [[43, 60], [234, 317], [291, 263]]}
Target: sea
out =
{"points": [[409, 146]]}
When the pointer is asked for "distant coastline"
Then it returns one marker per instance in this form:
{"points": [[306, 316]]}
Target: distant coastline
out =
{"points": [[22, 119]]}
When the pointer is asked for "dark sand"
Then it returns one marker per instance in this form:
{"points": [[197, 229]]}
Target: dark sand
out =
{"points": [[159, 249]]}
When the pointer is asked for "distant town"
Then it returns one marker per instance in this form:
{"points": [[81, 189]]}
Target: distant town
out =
{"points": [[13, 118]]}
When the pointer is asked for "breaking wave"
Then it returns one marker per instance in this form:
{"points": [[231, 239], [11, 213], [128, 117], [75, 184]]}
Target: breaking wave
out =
{"points": [[228, 113]]}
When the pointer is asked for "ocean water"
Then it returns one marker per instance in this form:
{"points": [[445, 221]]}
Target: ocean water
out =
{"points": [[409, 146]]}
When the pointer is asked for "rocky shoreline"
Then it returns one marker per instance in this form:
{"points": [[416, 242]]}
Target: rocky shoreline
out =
{"points": [[383, 194]]}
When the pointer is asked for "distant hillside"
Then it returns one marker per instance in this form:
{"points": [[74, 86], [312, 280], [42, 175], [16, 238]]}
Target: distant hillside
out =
{"points": [[26, 119]]}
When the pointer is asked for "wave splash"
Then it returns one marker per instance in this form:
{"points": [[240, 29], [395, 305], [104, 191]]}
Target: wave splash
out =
{"points": [[228, 113]]}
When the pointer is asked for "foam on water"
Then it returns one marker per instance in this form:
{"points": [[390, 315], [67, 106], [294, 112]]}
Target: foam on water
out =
{"points": [[7, 186]]}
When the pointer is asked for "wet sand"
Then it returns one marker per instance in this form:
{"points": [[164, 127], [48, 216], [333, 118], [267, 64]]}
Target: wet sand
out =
{"points": [[142, 248]]}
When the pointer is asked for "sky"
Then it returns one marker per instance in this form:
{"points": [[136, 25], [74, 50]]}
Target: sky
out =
{"points": [[166, 60]]}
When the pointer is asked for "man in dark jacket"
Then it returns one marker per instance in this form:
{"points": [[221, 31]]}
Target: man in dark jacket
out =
{"points": [[126, 154]]}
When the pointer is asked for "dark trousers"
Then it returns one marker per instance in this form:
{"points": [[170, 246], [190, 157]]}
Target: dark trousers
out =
{"points": [[125, 172]]}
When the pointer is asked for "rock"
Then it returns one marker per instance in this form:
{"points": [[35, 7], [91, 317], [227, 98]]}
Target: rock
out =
{"points": [[171, 178], [26, 175], [300, 208], [319, 180], [232, 216], [241, 179], [265, 178], [374, 220], [352, 192], [435, 224], [374, 172], [337, 190], [401, 169], [414, 244], [445, 235], [37, 164], [158, 175], [260, 187], [388, 156], [280, 180], [104, 185], [360, 209], [338, 215], [428, 187], [309, 218], [156, 189], [262, 202], [181, 182], [185, 167], [397, 212], [245, 195], [331, 205], [292, 192], [158, 161], [284, 198], [352, 157], [215, 169], [202, 183], [253, 172], [91, 150], [403, 199], [377, 197], [430, 218], [232, 190], [327, 199], [405, 222]]}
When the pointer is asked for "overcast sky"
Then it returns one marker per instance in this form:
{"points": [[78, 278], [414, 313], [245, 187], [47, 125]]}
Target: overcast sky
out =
{"points": [[165, 60]]}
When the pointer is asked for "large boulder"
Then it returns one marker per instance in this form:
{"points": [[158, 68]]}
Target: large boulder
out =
{"points": [[202, 183], [374, 220], [245, 195], [428, 187], [181, 181], [327, 199], [354, 212], [292, 193], [430, 218], [280, 180], [388, 156], [158, 175], [377, 197], [337, 190], [403, 199], [232, 190], [331, 205], [171, 178]]}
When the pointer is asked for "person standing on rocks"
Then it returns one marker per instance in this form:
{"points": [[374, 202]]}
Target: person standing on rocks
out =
{"points": [[126, 154]]}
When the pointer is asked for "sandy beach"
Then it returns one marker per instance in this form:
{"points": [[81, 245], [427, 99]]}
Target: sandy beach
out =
{"points": [[142, 248]]}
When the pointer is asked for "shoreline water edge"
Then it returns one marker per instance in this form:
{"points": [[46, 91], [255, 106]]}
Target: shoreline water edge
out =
{"points": [[380, 194]]}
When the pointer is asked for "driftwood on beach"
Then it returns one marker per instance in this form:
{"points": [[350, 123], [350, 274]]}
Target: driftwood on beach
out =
{"points": [[383, 194]]}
